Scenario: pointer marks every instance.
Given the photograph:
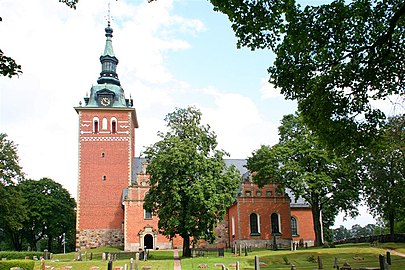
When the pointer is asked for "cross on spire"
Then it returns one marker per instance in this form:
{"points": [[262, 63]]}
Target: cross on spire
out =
{"points": [[109, 17]]}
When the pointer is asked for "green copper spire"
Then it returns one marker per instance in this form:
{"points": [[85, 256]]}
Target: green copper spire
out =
{"points": [[108, 61], [108, 93]]}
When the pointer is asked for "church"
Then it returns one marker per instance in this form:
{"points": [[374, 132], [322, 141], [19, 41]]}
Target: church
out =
{"points": [[112, 183]]}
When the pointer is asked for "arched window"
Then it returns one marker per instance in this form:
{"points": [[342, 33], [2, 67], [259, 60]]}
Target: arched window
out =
{"points": [[95, 125], [275, 224], [294, 227], [104, 126], [113, 125], [254, 224]]}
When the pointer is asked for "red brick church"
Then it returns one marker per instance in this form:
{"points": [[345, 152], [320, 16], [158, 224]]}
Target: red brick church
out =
{"points": [[112, 183]]}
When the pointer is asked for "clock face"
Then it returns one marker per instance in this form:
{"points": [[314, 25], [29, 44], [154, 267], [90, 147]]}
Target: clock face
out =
{"points": [[105, 101]]}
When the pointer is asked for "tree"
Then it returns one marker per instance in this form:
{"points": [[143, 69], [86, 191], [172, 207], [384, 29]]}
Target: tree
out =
{"points": [[383, 173], [50, 211], [333, 59], [8, 67], [11, 202], [10, 170], [190, 185], [301, 163], [341, 233]]}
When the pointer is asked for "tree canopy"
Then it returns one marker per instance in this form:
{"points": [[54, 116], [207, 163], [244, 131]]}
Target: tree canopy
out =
{"points": [[301, 163], [383, 173], [10, 170], [190, 184], [50, 210], [334, 59]]}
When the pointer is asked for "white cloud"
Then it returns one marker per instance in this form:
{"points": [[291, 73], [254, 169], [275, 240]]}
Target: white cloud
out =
{"points": [[268, 90]]}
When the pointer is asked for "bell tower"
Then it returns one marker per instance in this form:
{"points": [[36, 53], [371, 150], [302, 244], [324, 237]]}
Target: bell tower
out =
{"points": [[107, 122]]}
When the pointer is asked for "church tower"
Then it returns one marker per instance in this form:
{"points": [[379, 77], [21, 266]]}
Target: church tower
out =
{"points": [[107, 123]]}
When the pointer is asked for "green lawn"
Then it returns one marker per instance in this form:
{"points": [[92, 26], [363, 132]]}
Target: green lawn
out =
{"points": [[357, 255]]}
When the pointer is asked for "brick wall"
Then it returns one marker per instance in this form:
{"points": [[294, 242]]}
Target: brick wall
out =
{"points": [[104, 171]]}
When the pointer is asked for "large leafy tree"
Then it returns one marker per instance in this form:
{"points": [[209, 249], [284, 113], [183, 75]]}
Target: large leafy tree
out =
{"points": [[11, 203], [50, 211], [190, 185], [8, 66], [300, 162], [334, 59], [384, 173], [10, 169]]}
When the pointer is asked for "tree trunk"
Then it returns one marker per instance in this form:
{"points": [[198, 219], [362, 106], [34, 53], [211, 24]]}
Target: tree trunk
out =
{"points": [[186, 246], [50, 243], [391, 220], [316, 218]]}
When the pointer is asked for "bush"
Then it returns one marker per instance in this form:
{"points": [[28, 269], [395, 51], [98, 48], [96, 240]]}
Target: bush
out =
{"points": [[23, 264], [19, 255]]}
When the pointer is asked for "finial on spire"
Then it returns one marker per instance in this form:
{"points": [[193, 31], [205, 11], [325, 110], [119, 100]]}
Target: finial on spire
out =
{"points": [[109, 17]]}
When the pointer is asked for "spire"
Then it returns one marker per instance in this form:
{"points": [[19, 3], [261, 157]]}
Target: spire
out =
{"points": [[108, 61]]}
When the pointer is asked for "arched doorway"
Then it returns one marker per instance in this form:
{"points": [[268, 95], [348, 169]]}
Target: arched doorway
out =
{"points": [[148, 241]]}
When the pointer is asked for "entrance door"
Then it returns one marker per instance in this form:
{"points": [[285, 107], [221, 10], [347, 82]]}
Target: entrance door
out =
{"points": [[148, 241]]}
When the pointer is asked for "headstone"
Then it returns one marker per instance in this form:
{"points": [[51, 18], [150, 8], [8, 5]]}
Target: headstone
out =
{"points": [[320, 265], [246, 251], [335, 264], [42, 264], [131, 264], [293, 267], [257, 263], [109, 265], [388, 258], [237, 265], [382, 261], [220, 252], [346, 266], [46, 254], [137, 261]]}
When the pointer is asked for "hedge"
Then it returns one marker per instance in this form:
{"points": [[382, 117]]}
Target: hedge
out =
{"points": [[23, 264], [19, 255]]}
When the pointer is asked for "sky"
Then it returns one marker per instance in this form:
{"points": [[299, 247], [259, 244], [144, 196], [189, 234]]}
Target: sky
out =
{"points": [[172, 53]]}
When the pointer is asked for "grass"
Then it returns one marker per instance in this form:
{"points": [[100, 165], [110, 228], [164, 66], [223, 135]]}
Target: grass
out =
{"points": [[357, 255]]}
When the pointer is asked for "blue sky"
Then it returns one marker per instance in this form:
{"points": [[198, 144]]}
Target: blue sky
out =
{"points": [[172, 54]]}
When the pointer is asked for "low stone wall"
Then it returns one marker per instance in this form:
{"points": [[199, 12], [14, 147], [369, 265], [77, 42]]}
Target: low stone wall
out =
{"points": [[99, 237], [281, 243], [396, 238]]}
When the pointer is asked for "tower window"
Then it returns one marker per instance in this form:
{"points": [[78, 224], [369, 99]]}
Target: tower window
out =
{"points": [[102, 154], [104, 177], [95, 125], [104, 123], [113, 125]]}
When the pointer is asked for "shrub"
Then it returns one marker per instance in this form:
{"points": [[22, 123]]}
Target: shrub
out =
{"points": [[23, 264], [19, 255]]}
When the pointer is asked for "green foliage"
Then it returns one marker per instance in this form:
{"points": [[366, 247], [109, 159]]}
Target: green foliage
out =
{"points": [[312, 259], [10, 170], [301, 163], [383, 172], [50, 211], [334, 59], [191, 187], [11, 202], [20, 255], [23, 264]]}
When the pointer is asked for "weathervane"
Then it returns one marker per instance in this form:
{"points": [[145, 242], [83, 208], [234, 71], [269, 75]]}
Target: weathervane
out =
{"points": [[109, 17]]}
